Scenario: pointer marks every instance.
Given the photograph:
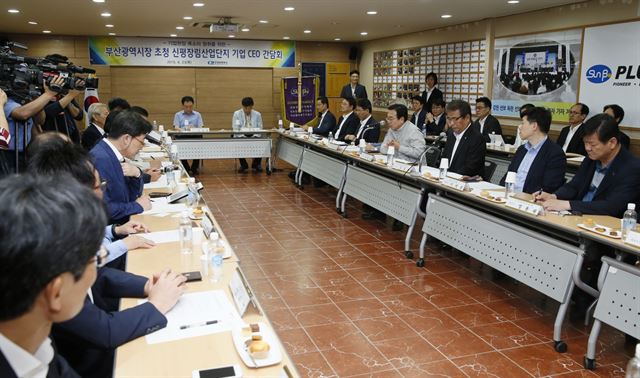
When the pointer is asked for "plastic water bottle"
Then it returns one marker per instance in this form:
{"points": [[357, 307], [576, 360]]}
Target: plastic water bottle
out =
{"points": [[186, 234], [362, 146], [217, 257], [391, 151], [510, 184], [444, 168], [629, 220], [155, 125], [330, 136], [633, 367], [192, 197], [280, 125], [174, 153]]}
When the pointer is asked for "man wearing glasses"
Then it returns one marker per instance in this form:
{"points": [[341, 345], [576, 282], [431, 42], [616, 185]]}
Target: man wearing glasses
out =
{"points": [[123, 194], [405, 137], [465, 147], [571, 136]]}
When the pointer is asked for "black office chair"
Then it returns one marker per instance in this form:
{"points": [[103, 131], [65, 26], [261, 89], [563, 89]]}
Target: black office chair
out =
{"points": [[432, 156], [509, 139], [489, 170]]}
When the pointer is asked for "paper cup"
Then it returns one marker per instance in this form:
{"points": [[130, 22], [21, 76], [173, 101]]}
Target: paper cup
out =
{"points": [[511, 177], [444, 163]]}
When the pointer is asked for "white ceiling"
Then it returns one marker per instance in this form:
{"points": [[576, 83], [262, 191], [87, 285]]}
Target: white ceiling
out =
{"points": [[327, 19]]}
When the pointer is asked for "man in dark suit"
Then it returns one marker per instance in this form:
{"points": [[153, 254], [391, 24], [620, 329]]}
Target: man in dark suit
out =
{"points": [[44, 275], [94, 133], [486, 124], [348, 122], [419, 115], [431, 94], [353, 89], [617, 113], [327, 121], [539, 164], [368, 128], [465, 147], [123, 195], [436, 120], [571, 136]]}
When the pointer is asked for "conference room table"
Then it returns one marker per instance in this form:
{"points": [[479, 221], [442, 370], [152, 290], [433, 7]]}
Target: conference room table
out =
{"points": [[544, 251], [179, 358]]}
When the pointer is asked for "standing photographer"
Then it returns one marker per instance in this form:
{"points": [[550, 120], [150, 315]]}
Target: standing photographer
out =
{"points": [[62, 112]]}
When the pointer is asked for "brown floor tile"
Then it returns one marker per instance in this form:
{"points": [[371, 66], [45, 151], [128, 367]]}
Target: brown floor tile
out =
{"points": [[386, 288], [457, 343], [378, 374], [449, 298], [515, 309], [492, 364], [431, 321], [313, 365], [321, 314], [334, 335], [282, 319], [405, 269], [541, 360], [355, 262], [407, 304], [347, 292], [296, 341], [474, 315], [332, 278], [371, 249], [440, 369], [505, 335], [370, 274], [361, 358], [408, 352], [298, 280], [296, 297], [385, 328], [364, 309]]}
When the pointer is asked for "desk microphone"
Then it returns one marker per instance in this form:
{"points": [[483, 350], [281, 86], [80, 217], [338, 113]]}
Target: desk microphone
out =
{"points": [[440, 137]]}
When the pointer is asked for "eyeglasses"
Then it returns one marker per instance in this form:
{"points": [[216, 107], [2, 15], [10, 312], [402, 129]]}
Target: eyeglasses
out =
{"points": [[453, 119], [102, 185], [391, 119], [101, 257], [575, 113], [139, 141]]}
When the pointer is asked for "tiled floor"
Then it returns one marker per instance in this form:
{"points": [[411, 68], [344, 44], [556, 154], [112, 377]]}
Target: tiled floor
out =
{"points": [[346, 302]]}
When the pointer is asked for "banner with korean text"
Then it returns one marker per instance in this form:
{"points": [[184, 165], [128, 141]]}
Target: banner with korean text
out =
{"points": [[611, 69], [128, 51], [290, 101]]}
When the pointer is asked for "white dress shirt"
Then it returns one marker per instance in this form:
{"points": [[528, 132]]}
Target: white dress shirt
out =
{"points": [[363, 125], [429, 94], [115, 150], [458, 139], [572, 131], [25, 364], [481, 122], [100, 129], [344, 119]]}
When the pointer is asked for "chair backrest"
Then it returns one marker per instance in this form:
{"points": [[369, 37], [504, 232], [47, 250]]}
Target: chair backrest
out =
{"points": [[432, 156], [489, 170]]}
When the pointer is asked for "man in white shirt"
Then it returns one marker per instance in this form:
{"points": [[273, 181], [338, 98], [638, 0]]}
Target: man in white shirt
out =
{"points": [[247, 118], [571, 136], [44, 277], [184, 120]]}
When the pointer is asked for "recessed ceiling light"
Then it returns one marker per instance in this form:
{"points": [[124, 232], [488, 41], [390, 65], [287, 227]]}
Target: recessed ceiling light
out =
{"points": [[112, 33], [446, 16], [231, 36], [307, 31], [263, 21], [33, 23], [513, 1], [198, 4], [105, 14], [98, 1], [13, 11], [179, 27], [289, 9], [245, 29], [285, 37], [337, 39], [364, 33], [46, 31], [109, 25], [187, 18], [372, 12], [173, 35]]}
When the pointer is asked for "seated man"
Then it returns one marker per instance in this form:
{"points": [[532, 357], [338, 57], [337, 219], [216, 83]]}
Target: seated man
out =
{"points": [[608, 178], [465, 147], [436, 120], [247, 118], [571, 137], [44, 274], [348, 122], [369, 129], [617, 113], [327, 121], [486, 124], [123, 194], [97, 115], [419, 115], [540, 163], [185, 119]]}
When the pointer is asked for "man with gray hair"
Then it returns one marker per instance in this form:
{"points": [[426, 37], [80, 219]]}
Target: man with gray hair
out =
{"points": [[97, 114]]}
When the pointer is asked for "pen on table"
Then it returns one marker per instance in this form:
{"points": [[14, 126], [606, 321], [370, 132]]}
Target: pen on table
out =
{"points": [[208, 322], [152, 158], [536, 195]]}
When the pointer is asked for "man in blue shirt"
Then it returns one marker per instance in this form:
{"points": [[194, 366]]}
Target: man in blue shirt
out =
{"points": [[540, 163], [184, 120]]}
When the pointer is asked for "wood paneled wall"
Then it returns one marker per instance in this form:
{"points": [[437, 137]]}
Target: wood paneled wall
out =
{"points": [[218, 91]]}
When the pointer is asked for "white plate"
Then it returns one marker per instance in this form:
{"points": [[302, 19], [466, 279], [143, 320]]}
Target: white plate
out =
{"points": [[275, 354]]}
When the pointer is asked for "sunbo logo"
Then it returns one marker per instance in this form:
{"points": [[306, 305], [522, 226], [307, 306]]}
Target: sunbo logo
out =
{"points": [[599, 73]]}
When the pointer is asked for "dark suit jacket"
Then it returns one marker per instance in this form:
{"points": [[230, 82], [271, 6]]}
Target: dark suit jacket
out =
{"points": [[350, 127], [58, 368], [421, 118], [88, 341], [576, 145], [618, 187], [625, 141], [469, 157], [90, 137], [121, 193], [437, 93], [370, 134], [361, 91], [328, 125], [436, 128], [546, 171], [60, 119], [491, 125]]}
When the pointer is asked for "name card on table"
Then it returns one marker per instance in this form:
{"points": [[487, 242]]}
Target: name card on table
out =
{"points": [[366, 156], [455, 184], [633, 238], [401, 165], [240, 292], [526, 206]]}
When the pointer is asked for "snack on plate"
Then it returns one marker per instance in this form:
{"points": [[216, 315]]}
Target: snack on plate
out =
{"points": [[600, 229], [589, 222], [485, 193], [259, 349], [613, 233], [197, 211]]}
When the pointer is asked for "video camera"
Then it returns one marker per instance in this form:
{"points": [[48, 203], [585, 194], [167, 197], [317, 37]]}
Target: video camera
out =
{"points": [[23, 77]]}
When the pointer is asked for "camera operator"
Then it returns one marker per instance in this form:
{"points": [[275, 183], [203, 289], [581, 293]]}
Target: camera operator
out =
{"points": [[62, 112], [22, 117], [5, 137]]}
